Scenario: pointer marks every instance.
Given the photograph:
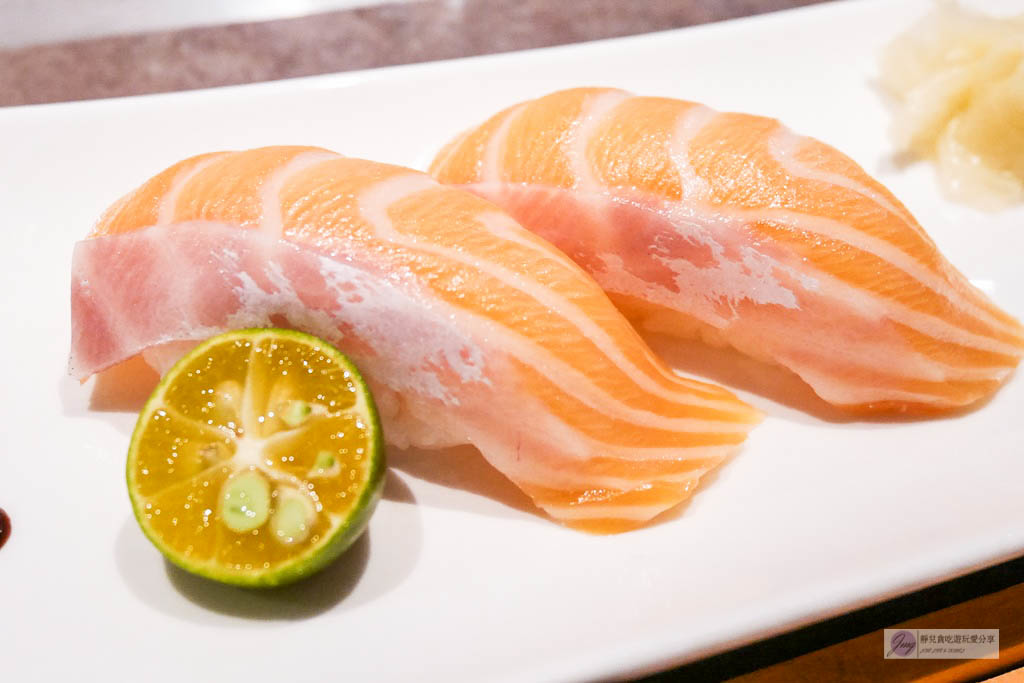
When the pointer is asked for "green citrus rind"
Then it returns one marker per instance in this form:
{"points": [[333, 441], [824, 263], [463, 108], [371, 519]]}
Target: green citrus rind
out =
{"points": [[343, 533]]}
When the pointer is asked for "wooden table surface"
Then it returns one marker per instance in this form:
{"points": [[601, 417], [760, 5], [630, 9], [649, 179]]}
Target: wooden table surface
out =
{"points": [[845, 648]]}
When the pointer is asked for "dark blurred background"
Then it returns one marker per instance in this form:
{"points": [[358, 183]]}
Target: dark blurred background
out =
{"points": [[63, 50]]}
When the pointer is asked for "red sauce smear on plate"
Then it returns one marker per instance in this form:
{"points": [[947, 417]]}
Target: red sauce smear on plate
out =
{"points": [[5, 527]]}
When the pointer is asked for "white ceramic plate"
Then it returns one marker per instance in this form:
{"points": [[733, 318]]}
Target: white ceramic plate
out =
{"points": [[456, 579]]}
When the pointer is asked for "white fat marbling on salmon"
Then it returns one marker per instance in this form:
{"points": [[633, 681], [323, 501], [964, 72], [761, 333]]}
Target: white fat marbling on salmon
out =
{"points": [[737, 272], [491, 163], [784, 145], [836, 230], [742, 271], [442, 373], [271, 221], [710, 286], [870, 307], [699, 267], [566, 451], [375, 202], [502, 226], [169, 203], [420, 357], [594, 112], [507, 229], [690, 124], [370, 304], [577, 384], [730, 270], [375, 310], [373, 205], [758, 273], [246, 273]]}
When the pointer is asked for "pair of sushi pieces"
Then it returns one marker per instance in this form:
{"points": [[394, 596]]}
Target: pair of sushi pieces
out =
{"points": [[497, 302]]}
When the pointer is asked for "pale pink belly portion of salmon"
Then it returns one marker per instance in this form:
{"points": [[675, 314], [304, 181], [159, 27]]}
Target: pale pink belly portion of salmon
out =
{"points": [[469, 329], [730, 228]]}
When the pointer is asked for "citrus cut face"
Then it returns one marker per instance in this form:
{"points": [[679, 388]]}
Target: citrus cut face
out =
{"points": [[257, 459]]}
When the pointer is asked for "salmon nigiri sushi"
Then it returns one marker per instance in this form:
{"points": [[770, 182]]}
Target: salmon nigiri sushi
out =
{"points": [[731, 228], [467, 327]]}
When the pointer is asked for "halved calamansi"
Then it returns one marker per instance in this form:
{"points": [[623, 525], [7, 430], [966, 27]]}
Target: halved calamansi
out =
{"points": [[258, 459]]}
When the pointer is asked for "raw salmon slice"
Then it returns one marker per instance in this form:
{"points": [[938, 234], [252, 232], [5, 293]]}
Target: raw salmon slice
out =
{"points": [[731, 228], [468, 328]]}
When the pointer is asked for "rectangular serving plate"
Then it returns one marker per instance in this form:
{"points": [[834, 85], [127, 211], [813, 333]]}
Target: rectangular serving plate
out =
{"points": [[457, 579]]}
